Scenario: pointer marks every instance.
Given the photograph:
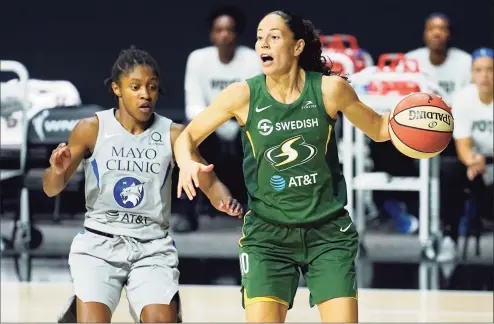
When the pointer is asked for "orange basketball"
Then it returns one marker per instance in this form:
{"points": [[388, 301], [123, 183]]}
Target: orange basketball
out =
{"points": [[421, 125]]}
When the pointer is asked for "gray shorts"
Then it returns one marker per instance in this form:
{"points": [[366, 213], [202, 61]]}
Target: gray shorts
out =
{"points": [[101, 266]]}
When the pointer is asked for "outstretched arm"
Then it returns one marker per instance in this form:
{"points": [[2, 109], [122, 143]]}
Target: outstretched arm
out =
{"points": [[340, 96], [217, 193], [66, 157], [225, 106]]}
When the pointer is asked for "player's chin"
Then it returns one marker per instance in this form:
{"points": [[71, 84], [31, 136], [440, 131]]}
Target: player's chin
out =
{"points": [[270, 70], [143, 114]]}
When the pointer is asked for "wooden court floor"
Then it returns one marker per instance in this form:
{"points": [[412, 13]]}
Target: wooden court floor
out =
{"points": [[40, 302]]}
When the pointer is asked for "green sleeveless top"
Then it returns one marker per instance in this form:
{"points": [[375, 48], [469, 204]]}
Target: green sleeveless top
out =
{"points": [[291, 165]]}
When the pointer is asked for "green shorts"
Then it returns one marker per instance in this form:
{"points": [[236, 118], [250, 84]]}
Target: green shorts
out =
{"points": [[271, 257]]}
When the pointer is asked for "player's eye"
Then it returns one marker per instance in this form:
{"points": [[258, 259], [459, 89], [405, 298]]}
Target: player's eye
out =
{"points": [[134, 87]]}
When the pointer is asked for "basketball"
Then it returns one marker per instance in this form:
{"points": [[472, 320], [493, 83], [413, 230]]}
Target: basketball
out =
{"points": [[421, 125]]}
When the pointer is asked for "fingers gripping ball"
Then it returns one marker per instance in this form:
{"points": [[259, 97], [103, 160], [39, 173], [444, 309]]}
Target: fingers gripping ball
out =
{"points": [[421, 125]]}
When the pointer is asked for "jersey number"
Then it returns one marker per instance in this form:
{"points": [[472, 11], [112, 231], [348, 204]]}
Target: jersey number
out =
{"points": [[244, 263]]}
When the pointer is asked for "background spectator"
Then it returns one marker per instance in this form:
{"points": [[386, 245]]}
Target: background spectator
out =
{"points": [[473, 113], [449, 66], [208, 71]]}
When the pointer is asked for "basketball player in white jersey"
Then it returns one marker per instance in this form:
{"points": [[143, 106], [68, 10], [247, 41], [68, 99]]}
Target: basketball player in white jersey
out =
{"points": [[128, 159], [208, 71], [473, 112], [448, 66]]}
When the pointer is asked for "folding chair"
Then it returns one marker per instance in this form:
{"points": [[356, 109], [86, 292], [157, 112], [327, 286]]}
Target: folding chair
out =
{"points": [[45, 130]]}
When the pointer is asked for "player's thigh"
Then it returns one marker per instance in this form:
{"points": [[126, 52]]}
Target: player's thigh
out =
{"points": [[153, 281], [161, 313], [331, 251], [266, 312], [339, 310], [96, 279], [268, 255], [269, 285], [92, 312]]}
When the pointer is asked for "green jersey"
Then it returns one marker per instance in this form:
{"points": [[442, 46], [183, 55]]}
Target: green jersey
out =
{"points": [[291, 165]]}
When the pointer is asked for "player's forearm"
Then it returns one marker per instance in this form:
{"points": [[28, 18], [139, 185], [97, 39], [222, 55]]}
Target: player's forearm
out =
{"points": [[184, 148], [465, 152], [217, 192], [382, 129], [53, 183]]}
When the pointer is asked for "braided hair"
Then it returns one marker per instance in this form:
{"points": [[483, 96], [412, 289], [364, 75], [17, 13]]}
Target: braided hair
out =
{"points": [[128, 60], [311, 58]]}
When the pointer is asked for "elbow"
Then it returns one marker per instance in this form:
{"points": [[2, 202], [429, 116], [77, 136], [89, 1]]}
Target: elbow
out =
{"points": [[382, 137], [49, 191], [382, 133]]}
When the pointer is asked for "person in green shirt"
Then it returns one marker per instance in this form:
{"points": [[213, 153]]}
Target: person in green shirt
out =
{"points": [[296, 218]]}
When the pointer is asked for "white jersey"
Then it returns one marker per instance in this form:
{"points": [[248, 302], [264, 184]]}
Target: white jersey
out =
{"points": [[453, 74], [128, 179], [206, 75], [473, 119]]}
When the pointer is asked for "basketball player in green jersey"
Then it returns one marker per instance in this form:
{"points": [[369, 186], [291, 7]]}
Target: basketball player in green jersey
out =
{"points": [[297, 193]]}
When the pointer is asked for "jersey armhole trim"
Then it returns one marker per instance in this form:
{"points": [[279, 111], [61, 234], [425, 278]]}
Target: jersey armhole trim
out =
{"points": [[172, 160], [251, 101], [323, 106], [97, 145]]}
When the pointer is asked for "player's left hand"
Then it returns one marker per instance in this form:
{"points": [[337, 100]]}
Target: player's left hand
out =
{"points": [[231, 207]]}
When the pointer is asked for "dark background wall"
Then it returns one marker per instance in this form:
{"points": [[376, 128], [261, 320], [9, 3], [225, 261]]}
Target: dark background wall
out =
{"points": [[79, 40]]}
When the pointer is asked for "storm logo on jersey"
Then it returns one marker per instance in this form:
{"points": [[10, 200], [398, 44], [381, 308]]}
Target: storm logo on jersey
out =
{"points": [[292, 152], [128, 192]]}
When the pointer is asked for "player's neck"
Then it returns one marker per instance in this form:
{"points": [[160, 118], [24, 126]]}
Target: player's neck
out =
{"points": [[288, 85], [438, 57], [226, 54], [486, 97], [132, 125]]}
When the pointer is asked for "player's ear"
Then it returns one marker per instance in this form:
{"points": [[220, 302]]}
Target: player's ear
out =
{"points": [[116, 89], [299, 47]]}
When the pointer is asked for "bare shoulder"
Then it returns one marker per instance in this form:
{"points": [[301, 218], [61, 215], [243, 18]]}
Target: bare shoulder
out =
{"points": [[84, 135], [237, 92], [234, 100], [337, 94], [334, 85], [86, 127]]}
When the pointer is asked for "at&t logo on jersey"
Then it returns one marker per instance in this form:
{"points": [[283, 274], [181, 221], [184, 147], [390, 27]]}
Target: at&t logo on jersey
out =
{"points": [[125, 217], [266, 127], [128, 192], [292, 152], [278, 183]]}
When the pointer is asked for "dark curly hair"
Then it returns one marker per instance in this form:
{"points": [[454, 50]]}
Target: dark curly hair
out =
{"points": [[311, 58], [231, 11]]}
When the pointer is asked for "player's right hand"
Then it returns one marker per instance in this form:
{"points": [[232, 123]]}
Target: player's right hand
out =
{"points": [[60, 159], [188, 178]]}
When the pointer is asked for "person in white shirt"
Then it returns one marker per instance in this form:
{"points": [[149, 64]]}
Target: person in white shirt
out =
{"points": [[450, 67], [473, 137], [209, 70]]}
